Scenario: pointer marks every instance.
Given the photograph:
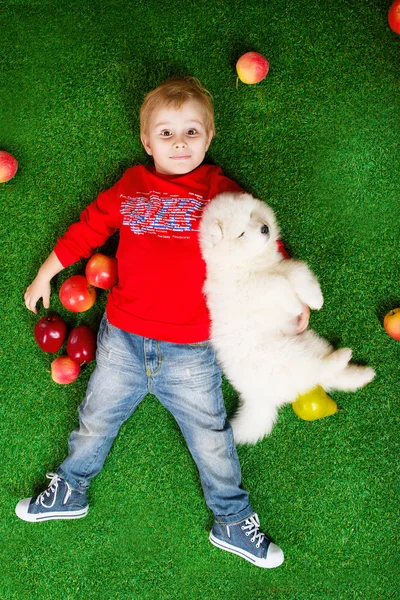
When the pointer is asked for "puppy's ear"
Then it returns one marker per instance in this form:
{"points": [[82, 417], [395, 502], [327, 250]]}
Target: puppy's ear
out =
{"points": [[214, 232]]}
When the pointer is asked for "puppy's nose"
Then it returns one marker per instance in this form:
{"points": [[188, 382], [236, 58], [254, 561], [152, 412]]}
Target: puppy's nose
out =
{"points": [[265, 229]]}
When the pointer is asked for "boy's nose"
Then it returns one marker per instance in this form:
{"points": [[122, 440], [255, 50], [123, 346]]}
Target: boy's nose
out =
{"points": [[180, 144]]}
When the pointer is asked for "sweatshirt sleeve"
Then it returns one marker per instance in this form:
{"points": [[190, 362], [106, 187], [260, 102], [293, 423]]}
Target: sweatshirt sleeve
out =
{"points": [[282, 249], [97, 223]]}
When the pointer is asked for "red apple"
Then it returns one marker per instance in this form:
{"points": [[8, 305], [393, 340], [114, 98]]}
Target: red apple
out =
{"points": [[252, 67], [394, 16], [8, 166], [76, 294], [391, 323], [64, 370], [50, 332], [102, 271], [81, 344]]}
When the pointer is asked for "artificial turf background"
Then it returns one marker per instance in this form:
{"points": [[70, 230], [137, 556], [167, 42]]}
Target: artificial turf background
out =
{"points": [[318, 140]]}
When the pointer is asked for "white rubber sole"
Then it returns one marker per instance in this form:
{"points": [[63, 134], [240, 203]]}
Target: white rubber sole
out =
{"points": [[21, 510], [275, 556]]}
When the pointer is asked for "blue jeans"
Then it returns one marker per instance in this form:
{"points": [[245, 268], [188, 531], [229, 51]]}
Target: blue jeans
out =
{"points": [[187, 381]]}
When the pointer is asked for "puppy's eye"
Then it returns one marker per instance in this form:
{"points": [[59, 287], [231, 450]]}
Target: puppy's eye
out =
{"points": [[265, 229], [241, 235]]}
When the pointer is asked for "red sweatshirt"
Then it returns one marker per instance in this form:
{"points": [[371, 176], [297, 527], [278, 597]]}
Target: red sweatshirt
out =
{"points": [[161, 271]]}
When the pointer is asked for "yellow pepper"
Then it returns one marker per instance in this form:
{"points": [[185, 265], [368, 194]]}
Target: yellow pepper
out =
{"points": [[315, 404]]}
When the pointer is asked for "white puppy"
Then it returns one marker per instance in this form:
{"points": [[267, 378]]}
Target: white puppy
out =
{"points": [[254, 296]]}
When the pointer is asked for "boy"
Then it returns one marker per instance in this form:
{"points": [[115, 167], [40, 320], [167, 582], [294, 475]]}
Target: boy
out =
{"points": [[154, 335]]}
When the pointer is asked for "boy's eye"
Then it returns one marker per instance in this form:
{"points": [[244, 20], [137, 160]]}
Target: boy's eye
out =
{"points": [[166, 133], [192, 131]]}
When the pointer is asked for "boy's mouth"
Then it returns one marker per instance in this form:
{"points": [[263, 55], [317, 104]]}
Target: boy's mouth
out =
{"points": [[180, 157]]}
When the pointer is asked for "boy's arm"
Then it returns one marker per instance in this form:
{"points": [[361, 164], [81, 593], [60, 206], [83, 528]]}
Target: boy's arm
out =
{"points": [[96, 224], [40, 286], [98, 221]]}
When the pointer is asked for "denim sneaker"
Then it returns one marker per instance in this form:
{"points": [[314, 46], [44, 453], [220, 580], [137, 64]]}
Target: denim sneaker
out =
{"points": [[246, 540], [59, 501]]}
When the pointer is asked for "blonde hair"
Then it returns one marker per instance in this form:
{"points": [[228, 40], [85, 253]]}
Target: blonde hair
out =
{"points": [[175, 92]]}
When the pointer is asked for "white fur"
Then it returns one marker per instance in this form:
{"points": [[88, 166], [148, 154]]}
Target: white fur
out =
{"points": [[254, 296]]}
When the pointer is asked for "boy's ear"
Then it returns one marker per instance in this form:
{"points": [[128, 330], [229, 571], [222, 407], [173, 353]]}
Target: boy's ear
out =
{"points": [[145, 142], [210, 137]]}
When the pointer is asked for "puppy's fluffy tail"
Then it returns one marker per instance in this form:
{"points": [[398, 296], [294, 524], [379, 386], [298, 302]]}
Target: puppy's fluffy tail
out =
{"points": [[253, 421]]}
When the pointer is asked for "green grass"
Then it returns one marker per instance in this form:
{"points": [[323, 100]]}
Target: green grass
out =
{"points": [[319, 140]]}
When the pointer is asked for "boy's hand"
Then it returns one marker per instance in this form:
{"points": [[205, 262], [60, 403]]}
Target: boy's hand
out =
{"points": [[39, 288], [303, 319]]}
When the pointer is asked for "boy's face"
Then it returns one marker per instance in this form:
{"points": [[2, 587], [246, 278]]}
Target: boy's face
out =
{"points": [[177, 138]]}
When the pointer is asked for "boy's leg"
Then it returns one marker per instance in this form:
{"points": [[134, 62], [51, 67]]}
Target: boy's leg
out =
{"points": [[188, 383], [116, 387]]}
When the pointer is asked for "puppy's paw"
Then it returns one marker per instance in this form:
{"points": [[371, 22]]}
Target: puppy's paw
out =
{"points": [[304, 283], [350, 378], [342, 356], [363, 375], [315, 298]]}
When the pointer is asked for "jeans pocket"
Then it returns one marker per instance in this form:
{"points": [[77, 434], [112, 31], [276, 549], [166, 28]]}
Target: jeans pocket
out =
{"points": [[103, 336], [200, 344]]}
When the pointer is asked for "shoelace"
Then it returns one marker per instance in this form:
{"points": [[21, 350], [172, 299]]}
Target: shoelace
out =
{"points": [[252, 527], [52, 490]]}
